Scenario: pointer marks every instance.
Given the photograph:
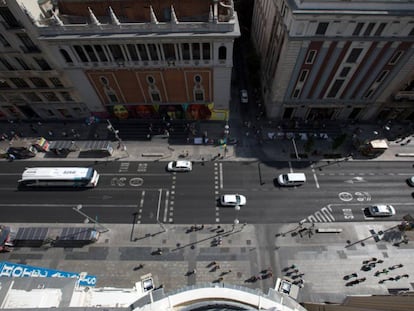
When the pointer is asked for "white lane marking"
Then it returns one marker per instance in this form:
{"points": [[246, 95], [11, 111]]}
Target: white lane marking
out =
{"points": [[167, 194], [221, 175], [159, 204], [315, 177], [141, 205]]}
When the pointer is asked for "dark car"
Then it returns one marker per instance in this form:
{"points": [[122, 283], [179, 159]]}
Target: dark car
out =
{"points": [[20, 153]]}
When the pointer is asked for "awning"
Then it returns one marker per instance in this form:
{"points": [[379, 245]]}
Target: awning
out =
{"points": [[379, 144], [95, 145], [63, 145]]}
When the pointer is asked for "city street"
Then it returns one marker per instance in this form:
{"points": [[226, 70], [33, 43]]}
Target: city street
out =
{"points": [[144, 192]]}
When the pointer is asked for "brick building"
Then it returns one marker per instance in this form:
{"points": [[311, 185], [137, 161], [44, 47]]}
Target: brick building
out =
{"points": [[336, 60], [126, 59]]}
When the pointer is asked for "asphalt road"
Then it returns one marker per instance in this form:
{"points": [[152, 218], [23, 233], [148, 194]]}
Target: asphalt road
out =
{"points": [[143, 192]]}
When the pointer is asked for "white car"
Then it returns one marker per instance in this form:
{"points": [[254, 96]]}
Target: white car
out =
{"points": [[381, 210], [244, 97], [180, 166], [232, 200], [410, 181]]}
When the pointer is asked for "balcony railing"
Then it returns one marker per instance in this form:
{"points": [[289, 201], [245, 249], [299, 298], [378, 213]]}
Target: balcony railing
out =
{"points": [[136, 29]]}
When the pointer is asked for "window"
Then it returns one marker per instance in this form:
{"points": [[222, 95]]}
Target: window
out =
{"points": [[222, 53], [81, 54], [42, 63], [39, 82], [66, 96], [369, 28], [353, 56], [50, 96], [380, 29], [287, 114], [6, 64], [358, 29], [155, 97], [382, 76], [20, 83], [303, 75], [322, 27], [132, 52], [344, 72], [152, 49], [195, 50], [101, 54], [369, 93], [335, 88], [4, 41], [4, 85], [150, 79], [355, 112], [206, 51], [22, 63], [198, 95], [142, 52], [296, 93], [29, 46], [116, 52], [56, 82], [32, 96], [91, 53], [169, 51], [9, 18], [395, 57], [310, 57], [66, 56], [198, 90], [186, 51]]}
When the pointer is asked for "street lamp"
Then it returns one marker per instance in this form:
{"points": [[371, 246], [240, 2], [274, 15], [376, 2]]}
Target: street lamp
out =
{"points": [[236, 220], [78, 208], [111, 128], [226, 137]]}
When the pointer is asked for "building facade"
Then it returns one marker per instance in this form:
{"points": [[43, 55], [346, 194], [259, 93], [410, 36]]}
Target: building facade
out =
{"points": [[125, 59], [336, 60]]}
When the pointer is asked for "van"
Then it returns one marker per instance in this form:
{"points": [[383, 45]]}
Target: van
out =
{"points": [[291, 179]]}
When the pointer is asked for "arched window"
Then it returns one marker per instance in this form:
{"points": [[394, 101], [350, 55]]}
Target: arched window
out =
{"points": [[198, 89], [153, 90], [66, 56], [222, 53]]}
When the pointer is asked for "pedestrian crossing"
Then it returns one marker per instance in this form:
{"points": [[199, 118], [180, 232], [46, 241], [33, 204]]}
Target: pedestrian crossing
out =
{"points": [[323, 215]]}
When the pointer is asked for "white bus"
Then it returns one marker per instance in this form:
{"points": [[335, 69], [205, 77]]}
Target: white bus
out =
{"points": [[59, 177]]}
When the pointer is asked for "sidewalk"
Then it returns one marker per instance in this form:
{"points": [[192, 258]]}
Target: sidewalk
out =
{"points": [[265, 141]]}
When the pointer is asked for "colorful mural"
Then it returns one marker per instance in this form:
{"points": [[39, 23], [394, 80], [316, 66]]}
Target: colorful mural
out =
{"points": [[168, 112]]}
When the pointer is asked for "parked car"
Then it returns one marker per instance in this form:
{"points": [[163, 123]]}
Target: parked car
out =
{"points": [[180, 166], [381, 210], [20, 153], [410, 181], [232, 200], [244, 97]]}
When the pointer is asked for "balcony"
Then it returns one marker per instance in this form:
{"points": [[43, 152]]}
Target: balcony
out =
{"points": [[134, 30], [404, 95]]}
